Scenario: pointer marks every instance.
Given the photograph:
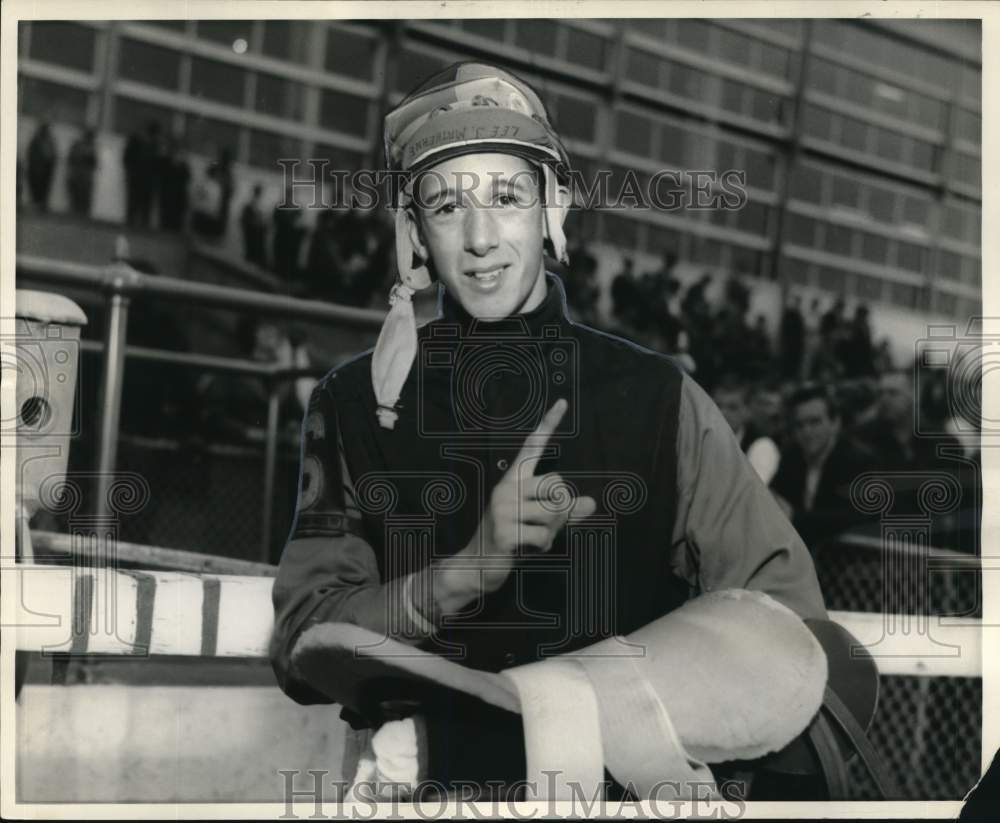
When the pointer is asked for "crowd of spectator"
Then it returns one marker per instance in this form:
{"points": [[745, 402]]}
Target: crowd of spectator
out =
{"points": [[814, 406]]}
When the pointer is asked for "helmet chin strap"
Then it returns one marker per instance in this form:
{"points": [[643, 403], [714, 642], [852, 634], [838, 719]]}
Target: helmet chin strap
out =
{"points": [[396, 347]]}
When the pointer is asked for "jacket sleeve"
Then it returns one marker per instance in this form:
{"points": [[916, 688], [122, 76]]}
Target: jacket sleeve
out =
{"points": [[328, 572], [729, 531]]}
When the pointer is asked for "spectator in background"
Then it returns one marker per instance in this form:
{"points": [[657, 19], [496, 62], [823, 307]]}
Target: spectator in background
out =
{"points": [[883, 357], [288, 232], [813, 481], [205, 205], [730, 395], [858, 353], [80, 168], [254, 230], [892, 437], [625, 295], [767, 414], [41, 165], [140, 160], [582, 291], [792, 339], [174, 177], [233, 407], [812, 324], [224, 174]]}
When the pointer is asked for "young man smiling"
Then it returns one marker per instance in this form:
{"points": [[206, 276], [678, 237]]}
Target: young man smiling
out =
{"points": [[504, 485]]}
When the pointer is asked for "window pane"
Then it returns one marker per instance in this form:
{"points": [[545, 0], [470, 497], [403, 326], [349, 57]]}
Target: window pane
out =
{"points": [[50, 101], [212, 80], [881, 203], [344, 112], [225, 32], [620, 231], [968, 169], [800, 230], [910, 257], [971, 271], [286, 40], [868, 288], [684, 81], [693, 34], [266, 148], [577, 118], [353, 55], [823, 75], [133, 116], [921, 154], [853, 133], [341, 159], [928, 111], [832, 279], [845, 192], [773, 59], [968, 125], [413, 64], [732, 96], [209, 137], [673, 141], [643, 67], [859, 88], [904, 295], [889, 145], [279, 97], [493, 29], [915, 211], [765, 107], [818, 122], [806, 184], [634, 133], [874, 248], [66, 44], [752, 218], [733, 47], [537, 36], [760, 168], [146, 63], [585, 48], [838, 239]]}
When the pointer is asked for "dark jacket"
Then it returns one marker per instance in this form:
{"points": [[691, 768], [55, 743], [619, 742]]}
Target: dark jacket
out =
{"points": [[832, 511]]}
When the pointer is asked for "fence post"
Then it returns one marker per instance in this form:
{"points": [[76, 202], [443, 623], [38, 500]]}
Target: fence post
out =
{"points": [[270, 467], [113, 369]]}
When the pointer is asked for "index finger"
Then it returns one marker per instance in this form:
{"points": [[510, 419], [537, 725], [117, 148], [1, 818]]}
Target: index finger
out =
{"points": [[534, 445]]}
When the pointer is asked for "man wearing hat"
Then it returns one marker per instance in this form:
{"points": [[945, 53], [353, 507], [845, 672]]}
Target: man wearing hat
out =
{"points": [[504, 488]]}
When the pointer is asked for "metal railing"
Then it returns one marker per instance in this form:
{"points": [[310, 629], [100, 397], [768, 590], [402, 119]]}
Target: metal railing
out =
{"points": [[120, 284]]}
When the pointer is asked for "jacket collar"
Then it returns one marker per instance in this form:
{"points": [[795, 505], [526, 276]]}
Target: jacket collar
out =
{"points": [[552, 310]]}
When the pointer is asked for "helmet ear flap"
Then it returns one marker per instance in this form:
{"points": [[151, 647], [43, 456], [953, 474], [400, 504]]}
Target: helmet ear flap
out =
{"points": [[417, 277], [556, 204]]}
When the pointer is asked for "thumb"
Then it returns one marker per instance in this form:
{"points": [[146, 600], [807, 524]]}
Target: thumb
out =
{"points": [[582, 507]]}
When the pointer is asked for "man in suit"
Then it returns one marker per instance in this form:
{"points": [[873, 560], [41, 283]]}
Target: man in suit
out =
{"points": [[814, 477]]}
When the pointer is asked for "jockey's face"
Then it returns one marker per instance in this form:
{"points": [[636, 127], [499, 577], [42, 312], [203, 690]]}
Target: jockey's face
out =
{"points": [[480, 226]]}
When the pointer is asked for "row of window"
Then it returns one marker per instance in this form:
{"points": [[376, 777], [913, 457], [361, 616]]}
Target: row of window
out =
{"points": [[658, 74], [719, 42], [808, 232], [870, 289], [879, 48], [872, 200], [667, 141]]}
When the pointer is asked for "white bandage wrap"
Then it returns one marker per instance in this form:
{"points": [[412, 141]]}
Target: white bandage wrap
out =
{"points": [[562, 729]]}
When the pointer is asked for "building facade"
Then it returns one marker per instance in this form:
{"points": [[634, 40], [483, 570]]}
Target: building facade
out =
{"points": [[860, 140]]}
